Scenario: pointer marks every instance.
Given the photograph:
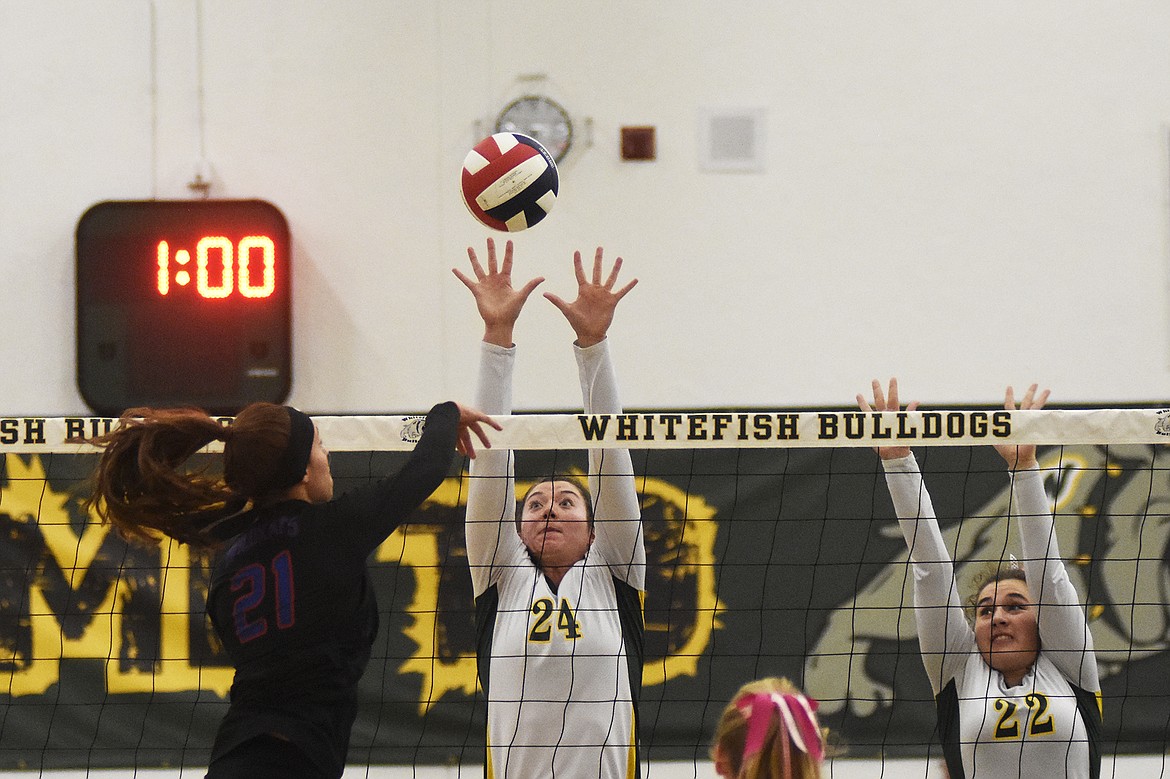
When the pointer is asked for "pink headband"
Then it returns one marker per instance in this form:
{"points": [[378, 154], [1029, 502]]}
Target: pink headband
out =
{"points": [[797, 713]]}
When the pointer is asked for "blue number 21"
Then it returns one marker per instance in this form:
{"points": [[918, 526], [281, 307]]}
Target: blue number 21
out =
{"points": [[253, 580]]}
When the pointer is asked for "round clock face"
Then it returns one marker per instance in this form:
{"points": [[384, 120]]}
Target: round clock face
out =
{"points": [[541, 118]]}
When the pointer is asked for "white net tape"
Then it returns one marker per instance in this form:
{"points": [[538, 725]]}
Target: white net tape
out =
{"points": [[692, 429]]}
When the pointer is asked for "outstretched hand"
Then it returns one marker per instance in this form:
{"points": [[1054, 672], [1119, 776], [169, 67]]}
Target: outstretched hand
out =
{"points": [[1021, 456], [498, 303], [591, 314], [887, 402], [472, 421]]}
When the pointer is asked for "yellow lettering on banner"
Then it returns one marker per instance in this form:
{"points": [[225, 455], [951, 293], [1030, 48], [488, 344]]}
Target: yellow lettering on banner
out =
{"points": [[687, 569], [172, 671], [29, 499], [417, 546], [73, 556]]}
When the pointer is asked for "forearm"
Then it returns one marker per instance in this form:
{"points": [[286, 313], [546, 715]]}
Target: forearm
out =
{"points": [[611, 471], [490, 492], [599, 395], [1061, 615], [942, 624], [381, 507], [915, 511], [429, 463], [491, 502]]}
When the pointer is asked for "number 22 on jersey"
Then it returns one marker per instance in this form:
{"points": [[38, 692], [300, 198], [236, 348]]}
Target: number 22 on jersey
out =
{"points": [[1037, 717]]}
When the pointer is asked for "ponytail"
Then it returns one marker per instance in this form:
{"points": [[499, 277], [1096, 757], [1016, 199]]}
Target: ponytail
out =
{"points": [[143, 485], [146, 487]]}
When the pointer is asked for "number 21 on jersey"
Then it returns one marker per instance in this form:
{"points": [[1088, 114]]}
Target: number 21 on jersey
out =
{"points": [[251, 582]]}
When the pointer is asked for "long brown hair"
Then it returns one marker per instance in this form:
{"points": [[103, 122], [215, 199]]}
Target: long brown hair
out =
{"points": [[145, 485]]}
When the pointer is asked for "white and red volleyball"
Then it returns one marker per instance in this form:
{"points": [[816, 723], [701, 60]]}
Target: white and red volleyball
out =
{"points": [[510, 182]]}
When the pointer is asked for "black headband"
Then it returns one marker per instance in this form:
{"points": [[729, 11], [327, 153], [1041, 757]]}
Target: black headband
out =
{"points": [[294, 461]]}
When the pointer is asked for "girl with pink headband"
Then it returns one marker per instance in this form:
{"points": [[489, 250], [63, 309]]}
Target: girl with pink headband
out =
{"points": [[769, 731]]}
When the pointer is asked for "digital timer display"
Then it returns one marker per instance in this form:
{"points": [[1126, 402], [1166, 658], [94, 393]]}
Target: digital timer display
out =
{"points": [[183, 302], [222, 285]]}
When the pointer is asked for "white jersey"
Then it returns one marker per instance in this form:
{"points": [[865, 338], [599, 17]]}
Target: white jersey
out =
{"points": [[561, 668], [1047, 725]]}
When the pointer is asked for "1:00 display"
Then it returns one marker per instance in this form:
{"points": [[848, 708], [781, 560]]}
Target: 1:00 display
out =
{"points": [[230, 274]]}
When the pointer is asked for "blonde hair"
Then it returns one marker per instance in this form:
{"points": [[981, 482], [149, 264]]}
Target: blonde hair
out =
{"points": [[778, 757]]}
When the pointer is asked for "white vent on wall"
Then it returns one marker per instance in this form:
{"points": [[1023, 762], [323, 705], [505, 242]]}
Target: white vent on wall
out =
{"points": [[732, 139]]}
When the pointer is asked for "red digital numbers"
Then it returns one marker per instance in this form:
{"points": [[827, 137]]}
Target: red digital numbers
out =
{"points": [[221, 268]]}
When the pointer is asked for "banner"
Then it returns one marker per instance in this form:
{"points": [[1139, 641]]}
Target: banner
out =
{"points": [[761, 562]]}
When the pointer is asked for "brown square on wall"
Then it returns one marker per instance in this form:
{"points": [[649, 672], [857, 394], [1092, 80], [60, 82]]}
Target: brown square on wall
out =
{"points": [[638, 143]]}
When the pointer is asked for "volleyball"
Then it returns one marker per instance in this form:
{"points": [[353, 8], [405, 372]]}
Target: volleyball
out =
{"points": [[510, 182]]}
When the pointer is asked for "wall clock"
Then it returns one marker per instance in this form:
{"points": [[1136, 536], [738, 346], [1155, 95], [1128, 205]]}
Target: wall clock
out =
{"points": [[541, 118]]}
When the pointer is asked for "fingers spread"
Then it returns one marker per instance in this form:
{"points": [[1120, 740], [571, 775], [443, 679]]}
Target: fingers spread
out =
{"points": [[481, 434], [491, 252], [507, 267], [475, 266], [621, 293], [1033, 399], [462, 277], [597, 265], [1029, 396], [557, 301], [579, 268], [892, 403], [526, 290], [879, 400], [613, 273]]}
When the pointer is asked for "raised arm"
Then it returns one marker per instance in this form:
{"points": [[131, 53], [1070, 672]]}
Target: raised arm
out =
{"points": [[382, 506], [944, 635], [1060, 614], [617, 510], [491, 495]]}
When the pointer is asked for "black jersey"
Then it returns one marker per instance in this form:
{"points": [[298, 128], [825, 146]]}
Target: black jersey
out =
{"points": [[292, 603]]}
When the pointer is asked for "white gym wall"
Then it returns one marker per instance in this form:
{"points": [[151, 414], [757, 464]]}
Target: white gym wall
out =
{"points": [[963, 195]]}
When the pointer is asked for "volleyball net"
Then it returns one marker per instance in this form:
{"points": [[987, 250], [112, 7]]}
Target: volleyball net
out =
{"points": [[772, 551]]}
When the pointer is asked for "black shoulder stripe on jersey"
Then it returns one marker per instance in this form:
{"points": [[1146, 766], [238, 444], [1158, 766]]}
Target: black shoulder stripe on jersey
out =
{"points": [[947, 712], [632, 619], [629, 604], [487, 605], [1090, 712]]}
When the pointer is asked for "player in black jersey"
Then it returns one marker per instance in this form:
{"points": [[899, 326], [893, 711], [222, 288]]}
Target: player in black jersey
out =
{"points": [[289, 598]]}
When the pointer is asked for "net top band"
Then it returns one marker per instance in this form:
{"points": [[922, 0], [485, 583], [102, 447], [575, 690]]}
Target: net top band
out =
{"points": [[689, 429]]}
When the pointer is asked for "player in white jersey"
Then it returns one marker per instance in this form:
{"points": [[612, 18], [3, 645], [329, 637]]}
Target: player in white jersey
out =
{"points": [[1017, 695], [559, 589]]}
